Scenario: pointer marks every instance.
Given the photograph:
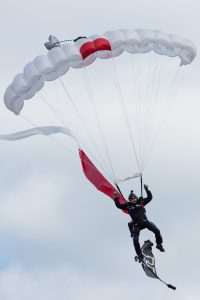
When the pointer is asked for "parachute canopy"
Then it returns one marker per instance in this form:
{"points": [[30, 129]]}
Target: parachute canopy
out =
{"points": [[84, 51], [116, 93]]}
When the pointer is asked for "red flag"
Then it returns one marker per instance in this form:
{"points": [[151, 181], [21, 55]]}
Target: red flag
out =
{"points": [[96, 178]]}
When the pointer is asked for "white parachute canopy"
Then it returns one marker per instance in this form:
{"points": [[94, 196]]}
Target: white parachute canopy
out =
{"points": [[115, 104], [58, 60]]}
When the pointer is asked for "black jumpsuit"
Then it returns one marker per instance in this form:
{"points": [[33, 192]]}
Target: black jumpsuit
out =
{"points": [[139, 219]]}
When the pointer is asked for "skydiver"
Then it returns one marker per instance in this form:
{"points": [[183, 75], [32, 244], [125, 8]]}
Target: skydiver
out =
{"points": [[135, 208]]}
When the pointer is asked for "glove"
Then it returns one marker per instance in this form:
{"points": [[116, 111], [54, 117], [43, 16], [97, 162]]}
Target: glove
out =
{"points": [[146, 187]]}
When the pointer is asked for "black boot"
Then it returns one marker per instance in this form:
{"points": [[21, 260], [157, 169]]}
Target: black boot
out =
{"points": [[160, 247], [141, 257]]}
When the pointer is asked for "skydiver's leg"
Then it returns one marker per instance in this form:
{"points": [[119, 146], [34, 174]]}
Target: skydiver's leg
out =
{"points": [[136, 233], [152, 227], [131, 226]]}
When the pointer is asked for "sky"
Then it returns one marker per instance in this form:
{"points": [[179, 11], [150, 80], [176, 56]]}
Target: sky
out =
{"points": [[61, 238]]}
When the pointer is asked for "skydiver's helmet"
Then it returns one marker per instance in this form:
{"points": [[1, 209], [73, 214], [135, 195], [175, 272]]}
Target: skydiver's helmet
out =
{"points": [[132, 196]]}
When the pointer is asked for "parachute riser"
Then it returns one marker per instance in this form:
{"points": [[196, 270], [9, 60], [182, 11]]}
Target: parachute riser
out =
{"points": [[141, 185], [119, 190]]}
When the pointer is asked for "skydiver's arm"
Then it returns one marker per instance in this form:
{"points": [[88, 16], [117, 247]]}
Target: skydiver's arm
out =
{"points": [[123, 206], [149, 195]]}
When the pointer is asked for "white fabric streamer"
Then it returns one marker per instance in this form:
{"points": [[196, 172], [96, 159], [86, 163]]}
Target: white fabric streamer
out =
{"points": [[128, 178], [45, 130]]}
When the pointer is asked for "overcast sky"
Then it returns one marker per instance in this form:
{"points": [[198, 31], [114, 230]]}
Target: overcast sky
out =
{"points": [[62, 239]]}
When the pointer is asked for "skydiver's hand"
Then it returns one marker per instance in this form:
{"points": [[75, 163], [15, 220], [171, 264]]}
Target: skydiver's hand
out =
{"points": [[115, 193], [146, 187]]}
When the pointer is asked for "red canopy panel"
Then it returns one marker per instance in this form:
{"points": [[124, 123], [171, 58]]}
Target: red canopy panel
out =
{"points": [[93, 46]]}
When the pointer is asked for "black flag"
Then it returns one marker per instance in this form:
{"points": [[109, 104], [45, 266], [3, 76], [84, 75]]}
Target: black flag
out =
{"points": [[148, 262]]}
